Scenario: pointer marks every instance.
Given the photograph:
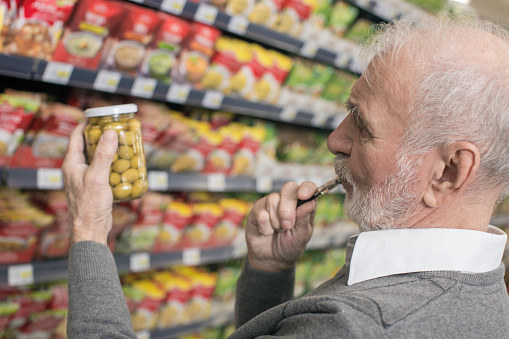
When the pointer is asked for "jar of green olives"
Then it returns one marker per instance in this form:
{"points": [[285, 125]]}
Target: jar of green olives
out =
{"points": [[128, 175]]}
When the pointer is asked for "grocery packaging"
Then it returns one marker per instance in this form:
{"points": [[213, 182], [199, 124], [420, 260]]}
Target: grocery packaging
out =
{"points": [[239, 7], [264, 12], [359, 31], [203, 283], [292, 15], [178, 290], [130, 43], [225, 231], [144, 316], [128, 177], [93, 22], [37, 28], [200, 228], [341, 17], [163, 52], [176, 217]]}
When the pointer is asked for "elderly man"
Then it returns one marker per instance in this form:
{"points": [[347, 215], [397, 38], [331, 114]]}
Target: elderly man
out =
{"points": [[423, 156]]}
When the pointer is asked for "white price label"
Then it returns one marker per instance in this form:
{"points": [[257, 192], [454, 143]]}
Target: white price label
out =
{"points": [[191, 256], [288, 113], [19, 275], [239, 249], [309, 49], [107, 81], [216, 182], [178, 93], [49, 179], [319, 119], [143, 334], [173, 6], [158, 180], [206, 14], [139, 262], [238, 24], [263, 184], [212, 99], [57, 73], [342, 60], [143, 87]]}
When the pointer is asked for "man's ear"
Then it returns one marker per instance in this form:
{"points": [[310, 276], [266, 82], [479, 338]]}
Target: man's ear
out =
{"points": [[455, 169]]}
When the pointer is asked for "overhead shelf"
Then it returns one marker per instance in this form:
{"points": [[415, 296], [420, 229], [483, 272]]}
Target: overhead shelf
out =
{"points": [[239, 25], [389, 10]]}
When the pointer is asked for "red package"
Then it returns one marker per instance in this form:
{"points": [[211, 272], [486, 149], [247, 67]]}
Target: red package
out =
{"points": [[178, 293], [29, 303], [199, 230], [144, 317], [226, 229], [219, 160], [84, 41], [18, 241], [136, 33], [162, 56], [203, 38], [38, 27], [176, 217], [42, 324]]}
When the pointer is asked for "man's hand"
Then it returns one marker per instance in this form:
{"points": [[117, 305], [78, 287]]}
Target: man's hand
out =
{"points": [[87, 188], [276, 231]]}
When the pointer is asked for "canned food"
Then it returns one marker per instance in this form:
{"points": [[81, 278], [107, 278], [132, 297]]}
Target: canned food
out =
{"points": [[128, 174]]}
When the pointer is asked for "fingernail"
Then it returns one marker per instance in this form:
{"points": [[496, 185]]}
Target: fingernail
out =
{"points": [[286, 224]]}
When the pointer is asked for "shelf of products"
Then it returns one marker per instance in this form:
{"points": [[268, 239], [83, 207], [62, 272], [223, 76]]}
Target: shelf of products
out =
{"points": [[389, 10]]}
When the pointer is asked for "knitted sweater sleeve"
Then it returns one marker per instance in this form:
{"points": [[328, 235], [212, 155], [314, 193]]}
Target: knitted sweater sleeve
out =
{"points": [[257, 291], [97, 307]]}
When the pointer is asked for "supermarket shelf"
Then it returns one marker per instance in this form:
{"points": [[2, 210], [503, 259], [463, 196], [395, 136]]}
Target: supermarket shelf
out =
{"points": [[500, 220], [209, 14], [54, 270], [390, 10], [51, 179], [148, 88]]}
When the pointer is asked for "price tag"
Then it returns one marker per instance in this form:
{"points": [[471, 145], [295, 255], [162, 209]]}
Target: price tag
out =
{"points": [[191, 256], [107, 81], [319, 119], [178, 93], [309, 49], [263, 184], [158, 181], [288, 113], [57, 73], [206, 14], [238, 24], [239, 249], [173, 6], [143, 334], [212, 99], [342, 60], [49, 179], [143, 87], [19, 275], [216, 182], [139, 262]]}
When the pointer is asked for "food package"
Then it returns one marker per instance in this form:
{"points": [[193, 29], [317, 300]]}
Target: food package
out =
{"points": [[8, 14], [293, 14], [225, 231], [264, 12], [16, 114], [42, 324], [359, 31], [193, 159], [268, 86], [162, 55], [243, 82], [203, 285], [134, 35], [244, 160], [239, 7], [339, 86], [144, 316], [194, 59], [84, 40], [29, 303], [38, 28], [178, 293], [176, 217], [296, 88], [228, 58], [341, 17], [154, 120], [220, 159], [18, 241], [199, 230], [7, 310]]}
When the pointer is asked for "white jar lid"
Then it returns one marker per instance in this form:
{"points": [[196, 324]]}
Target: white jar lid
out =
{"points": [[111, 110]]}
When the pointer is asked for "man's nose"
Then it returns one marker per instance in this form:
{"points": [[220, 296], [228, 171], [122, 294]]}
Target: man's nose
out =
{"points": [[340, 140]]}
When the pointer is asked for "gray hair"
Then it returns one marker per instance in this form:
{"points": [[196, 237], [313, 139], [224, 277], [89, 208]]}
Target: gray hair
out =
{"points": [[451, 99]]}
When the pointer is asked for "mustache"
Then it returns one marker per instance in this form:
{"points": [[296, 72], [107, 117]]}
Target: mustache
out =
{"points": [[341, 169]]}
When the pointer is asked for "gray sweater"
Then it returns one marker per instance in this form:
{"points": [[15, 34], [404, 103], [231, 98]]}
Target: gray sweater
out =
{"points": [[415, 305]]}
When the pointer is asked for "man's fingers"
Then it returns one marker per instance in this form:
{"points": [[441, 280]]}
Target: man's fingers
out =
{"points": [[104, 153], [75, 147], [287, 205], [272, 203]]}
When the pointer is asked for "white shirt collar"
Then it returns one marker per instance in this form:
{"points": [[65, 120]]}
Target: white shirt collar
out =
{"points": [[381, 253]]}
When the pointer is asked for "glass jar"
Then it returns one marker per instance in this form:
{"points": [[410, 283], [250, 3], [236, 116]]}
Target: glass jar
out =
{"points": [[128, 174]]}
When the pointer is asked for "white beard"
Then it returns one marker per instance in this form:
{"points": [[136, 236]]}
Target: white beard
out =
{"points": [[383, 206]]}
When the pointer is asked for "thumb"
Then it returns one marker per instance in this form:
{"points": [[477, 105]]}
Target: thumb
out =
{"points": [[103, 156]]}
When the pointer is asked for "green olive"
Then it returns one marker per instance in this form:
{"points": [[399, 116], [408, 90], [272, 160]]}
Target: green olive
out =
{"points": [[135, 161], [114, 178], [130, 175], [122, 191], [134, 125], [115, 158], [126, 138], [121, 165], [125, 152], [104, 120], [139, 188], [93, 134], [116, 126]]}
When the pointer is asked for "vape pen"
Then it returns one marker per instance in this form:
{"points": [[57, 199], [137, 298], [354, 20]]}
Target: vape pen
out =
{"points": [[322, 190]]}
